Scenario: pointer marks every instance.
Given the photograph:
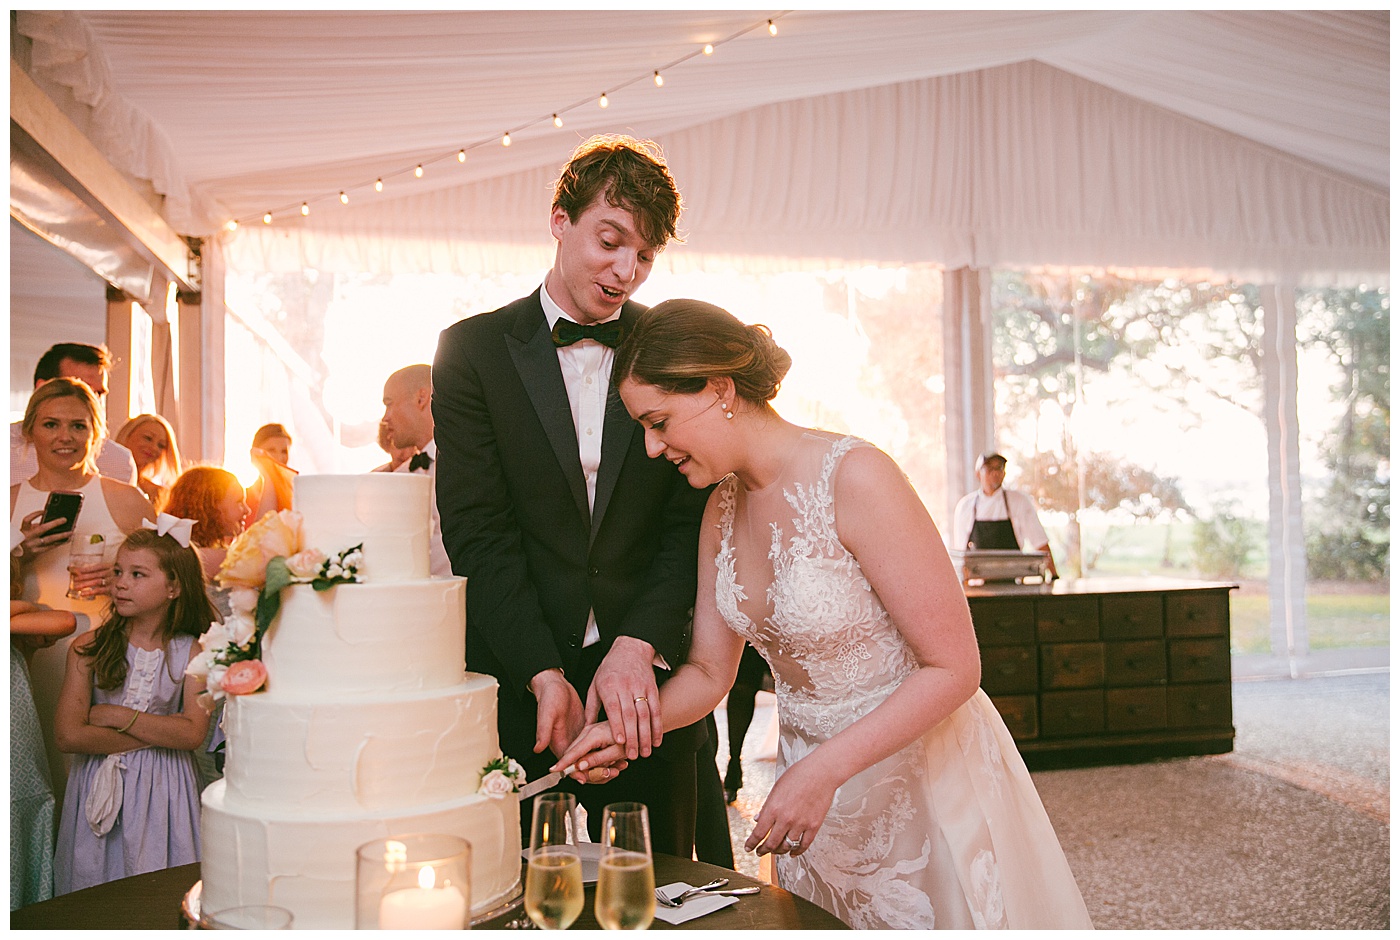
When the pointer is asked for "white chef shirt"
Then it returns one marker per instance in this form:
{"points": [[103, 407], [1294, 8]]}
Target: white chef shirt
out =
{"points": [[1030, 534]]}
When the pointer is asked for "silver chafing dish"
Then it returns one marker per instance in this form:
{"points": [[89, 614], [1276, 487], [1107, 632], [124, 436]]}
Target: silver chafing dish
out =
{"points": [[977, 566]]}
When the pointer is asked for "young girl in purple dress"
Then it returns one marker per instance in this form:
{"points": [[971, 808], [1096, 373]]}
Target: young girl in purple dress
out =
{"points": [[131, 718]]}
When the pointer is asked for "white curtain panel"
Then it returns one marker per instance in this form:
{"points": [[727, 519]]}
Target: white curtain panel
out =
{"points": [[1021, 164]]}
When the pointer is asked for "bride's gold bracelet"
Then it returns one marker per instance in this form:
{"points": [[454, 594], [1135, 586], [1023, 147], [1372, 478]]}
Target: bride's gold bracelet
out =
{"points": [[134, 715]]}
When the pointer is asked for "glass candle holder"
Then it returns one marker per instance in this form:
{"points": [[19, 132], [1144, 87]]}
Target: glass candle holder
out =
{"points": [[414, 882], [249, 917]]}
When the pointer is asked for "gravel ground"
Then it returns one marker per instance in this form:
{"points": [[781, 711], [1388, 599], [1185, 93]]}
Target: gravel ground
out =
{"points": [[1290, 830]]}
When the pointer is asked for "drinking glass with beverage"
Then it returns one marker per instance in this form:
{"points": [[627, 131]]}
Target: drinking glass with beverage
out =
{"points": [[83, 552], [626, 898], [554, 877]]}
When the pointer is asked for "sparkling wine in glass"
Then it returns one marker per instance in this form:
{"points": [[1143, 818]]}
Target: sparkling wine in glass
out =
{"points": [[554, 877], [626, 898]]}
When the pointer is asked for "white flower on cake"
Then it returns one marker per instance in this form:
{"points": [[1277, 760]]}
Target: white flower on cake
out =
{"points": [[501, 776], [261, 562]]}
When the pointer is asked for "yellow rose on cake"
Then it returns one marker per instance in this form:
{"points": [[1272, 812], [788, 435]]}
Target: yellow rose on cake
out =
{"points": [[275, 534]]}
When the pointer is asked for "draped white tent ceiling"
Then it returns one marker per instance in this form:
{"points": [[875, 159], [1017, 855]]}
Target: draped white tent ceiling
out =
{"points": [[1243, 141]]}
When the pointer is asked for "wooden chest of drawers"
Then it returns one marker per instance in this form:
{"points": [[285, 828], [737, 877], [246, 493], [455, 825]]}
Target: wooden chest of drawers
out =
{"points": [[1108, 671]]}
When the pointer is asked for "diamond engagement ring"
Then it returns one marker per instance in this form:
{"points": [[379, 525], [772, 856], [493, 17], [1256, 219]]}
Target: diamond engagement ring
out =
{"points": [[793, 842]]}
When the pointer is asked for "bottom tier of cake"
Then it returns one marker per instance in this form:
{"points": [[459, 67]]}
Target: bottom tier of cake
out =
{"points": [[307, 865]]}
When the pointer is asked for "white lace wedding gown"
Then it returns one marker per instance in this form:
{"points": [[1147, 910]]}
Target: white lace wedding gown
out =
{"points": [[948, 832]]}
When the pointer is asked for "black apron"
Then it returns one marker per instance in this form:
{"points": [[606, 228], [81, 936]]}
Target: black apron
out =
{"points": [[993, 533]]}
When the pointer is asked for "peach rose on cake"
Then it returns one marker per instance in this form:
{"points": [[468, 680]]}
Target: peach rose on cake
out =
{"points": [[245, 565], [244, 676]]}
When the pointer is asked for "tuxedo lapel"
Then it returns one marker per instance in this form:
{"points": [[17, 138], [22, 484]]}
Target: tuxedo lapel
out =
{"points": [[536, 361], [618, 428]]}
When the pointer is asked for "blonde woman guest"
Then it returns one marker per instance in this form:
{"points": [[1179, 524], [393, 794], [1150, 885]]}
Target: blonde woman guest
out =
{"points": [[271, 452], [151, 440], [64, 427]]}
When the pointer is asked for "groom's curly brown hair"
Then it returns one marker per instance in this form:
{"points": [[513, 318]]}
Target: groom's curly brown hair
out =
{"points": [[632, 175]]}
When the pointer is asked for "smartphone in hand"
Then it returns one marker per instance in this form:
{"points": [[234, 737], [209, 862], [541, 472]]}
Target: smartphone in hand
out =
{"points": [[64, 505]]}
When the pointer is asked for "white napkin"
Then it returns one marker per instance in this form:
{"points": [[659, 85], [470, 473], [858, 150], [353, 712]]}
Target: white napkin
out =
{"points": [[697, 906], [104, 800]]}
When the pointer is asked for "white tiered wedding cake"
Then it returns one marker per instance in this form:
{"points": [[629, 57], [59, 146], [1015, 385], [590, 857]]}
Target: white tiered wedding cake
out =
{"points": [[369, 727]]}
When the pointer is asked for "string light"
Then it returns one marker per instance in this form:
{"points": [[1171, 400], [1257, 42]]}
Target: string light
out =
{"points": [[603, 102]]}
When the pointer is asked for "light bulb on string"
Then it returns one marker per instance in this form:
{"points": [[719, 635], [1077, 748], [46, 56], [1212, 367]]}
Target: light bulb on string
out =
{"points": [[305, 209], [418, 171], [231, 225], [603, 100], [267, 218], [461, 156], [709, 49], [772, 28], [558, 121], [344, 199], [505, 139], [379, 186], [656, 77]]}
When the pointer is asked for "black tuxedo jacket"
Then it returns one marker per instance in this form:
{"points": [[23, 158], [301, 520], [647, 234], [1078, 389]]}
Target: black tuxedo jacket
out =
{"points": [[516, 524]]}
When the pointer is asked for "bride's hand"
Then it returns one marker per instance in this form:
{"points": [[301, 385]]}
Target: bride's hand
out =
{"points": [[594, 748], [795, 809]]}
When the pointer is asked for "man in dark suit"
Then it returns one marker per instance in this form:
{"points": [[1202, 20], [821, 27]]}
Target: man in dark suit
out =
{"points": [[579, 550]]}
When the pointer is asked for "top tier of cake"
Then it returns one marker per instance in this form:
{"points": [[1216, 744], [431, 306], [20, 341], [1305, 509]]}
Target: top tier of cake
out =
{"points": [[389, 513]]}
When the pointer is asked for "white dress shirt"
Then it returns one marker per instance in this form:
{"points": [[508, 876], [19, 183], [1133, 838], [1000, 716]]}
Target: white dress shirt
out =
{"points": [[1030, 534], [113, 460], [587, 367], [439, 566]]}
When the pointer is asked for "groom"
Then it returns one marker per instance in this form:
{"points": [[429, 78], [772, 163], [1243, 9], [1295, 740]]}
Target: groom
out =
{"points": [[579, 551]]}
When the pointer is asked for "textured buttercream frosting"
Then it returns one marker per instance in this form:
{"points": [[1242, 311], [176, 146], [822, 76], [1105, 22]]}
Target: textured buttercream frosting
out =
{"points": [[368, 728]]}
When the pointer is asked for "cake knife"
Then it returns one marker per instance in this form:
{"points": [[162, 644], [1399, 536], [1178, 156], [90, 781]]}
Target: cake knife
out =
{"points": [[548, 781]]}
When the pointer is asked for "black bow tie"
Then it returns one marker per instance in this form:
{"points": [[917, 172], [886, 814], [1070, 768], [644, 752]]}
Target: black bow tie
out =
{"points": [[566, 332], [421, 461]]}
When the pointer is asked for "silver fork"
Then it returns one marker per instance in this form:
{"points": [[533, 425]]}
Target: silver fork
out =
{"points": [[680, 899]]}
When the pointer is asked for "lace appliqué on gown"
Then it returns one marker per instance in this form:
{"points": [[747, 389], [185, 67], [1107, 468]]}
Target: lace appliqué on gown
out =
{"points": [[947, 832], [835, 655]]}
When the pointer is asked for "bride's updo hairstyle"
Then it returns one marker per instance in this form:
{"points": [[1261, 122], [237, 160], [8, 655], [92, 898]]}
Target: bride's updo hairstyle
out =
{"points": [[679, 345]]}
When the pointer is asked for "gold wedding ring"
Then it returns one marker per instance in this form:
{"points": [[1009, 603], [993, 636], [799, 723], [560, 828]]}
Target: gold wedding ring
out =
{"points": [[640, 698]]}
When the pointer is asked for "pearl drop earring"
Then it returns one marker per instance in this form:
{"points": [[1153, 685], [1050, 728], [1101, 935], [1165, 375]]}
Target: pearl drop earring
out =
{"points": [[727, 413]]}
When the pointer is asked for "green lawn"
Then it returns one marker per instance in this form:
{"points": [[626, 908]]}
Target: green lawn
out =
{"points": [[1338, 616], [1335, 621]]}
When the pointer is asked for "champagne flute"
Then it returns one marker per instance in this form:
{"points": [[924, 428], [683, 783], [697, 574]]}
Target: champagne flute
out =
{"points": [[626, 898], [554, 878]]}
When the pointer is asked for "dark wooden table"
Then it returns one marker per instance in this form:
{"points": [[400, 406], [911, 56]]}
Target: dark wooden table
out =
{"points": [[152, 902]]}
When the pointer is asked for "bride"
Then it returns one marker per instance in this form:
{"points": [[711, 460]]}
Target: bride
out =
{"points": [[901, 801]]}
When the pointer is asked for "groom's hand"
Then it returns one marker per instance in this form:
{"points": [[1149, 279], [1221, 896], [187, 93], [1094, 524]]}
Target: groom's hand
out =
{"points": [[559, 713], [625, 687]]}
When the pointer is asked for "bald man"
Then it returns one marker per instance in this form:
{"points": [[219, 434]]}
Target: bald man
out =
{"points": [[408, 416]]}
